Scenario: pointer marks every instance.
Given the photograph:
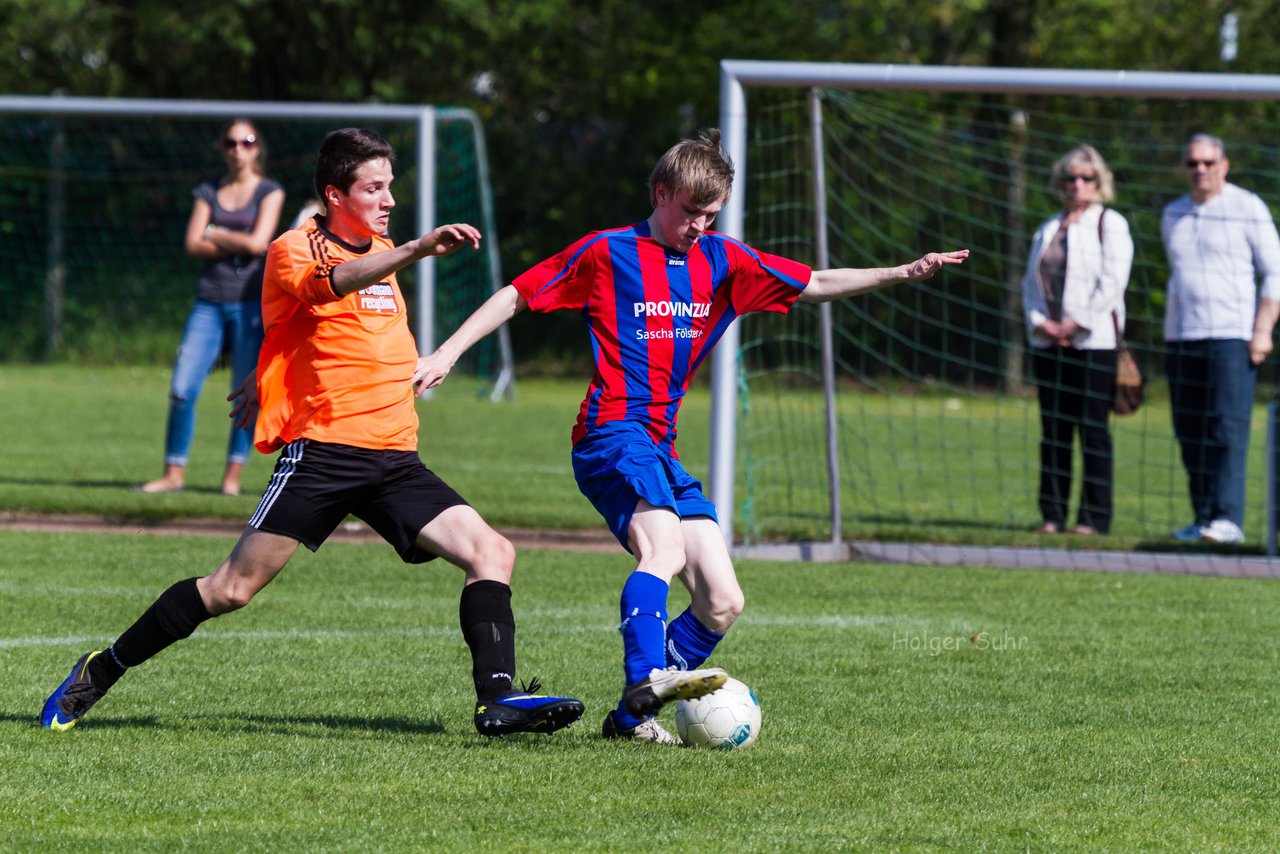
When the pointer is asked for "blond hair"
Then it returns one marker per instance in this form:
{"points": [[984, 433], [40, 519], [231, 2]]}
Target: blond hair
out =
{"points": [[1084, 155], [699, 165]]}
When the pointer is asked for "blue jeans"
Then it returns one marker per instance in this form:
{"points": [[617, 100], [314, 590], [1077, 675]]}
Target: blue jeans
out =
{"points": [[1211, 384], [210, 323]]}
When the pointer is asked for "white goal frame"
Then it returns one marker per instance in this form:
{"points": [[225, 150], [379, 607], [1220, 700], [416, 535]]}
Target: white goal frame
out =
{"points": [[425, 117], [737, 75]]}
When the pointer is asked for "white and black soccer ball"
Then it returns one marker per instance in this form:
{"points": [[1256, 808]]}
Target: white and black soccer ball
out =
{"points": [[727, 718]]}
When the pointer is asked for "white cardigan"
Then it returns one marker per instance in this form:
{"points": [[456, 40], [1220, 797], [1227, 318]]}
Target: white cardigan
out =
{"points": [[1097, 274]]}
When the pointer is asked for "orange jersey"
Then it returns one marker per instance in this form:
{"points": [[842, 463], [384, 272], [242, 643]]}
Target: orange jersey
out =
{"points": [[332, 369]]}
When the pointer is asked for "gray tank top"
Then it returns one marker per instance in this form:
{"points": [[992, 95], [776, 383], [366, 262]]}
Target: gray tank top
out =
{"points": [[237, 278]]}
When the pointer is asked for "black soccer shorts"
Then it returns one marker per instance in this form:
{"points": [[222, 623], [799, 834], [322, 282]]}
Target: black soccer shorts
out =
{"points": [[317, 484]]}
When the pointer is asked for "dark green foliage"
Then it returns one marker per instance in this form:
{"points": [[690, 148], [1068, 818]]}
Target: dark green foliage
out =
{"points": [[580, 97]]}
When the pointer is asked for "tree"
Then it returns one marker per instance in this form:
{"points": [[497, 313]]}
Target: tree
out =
{"points": [[578, 98]]}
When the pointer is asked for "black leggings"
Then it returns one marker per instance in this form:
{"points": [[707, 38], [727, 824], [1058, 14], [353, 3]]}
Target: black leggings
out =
{"points": [[1076, 389]]}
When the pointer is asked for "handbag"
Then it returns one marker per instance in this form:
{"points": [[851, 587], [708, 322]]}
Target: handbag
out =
{"points": [[1130, 384]]}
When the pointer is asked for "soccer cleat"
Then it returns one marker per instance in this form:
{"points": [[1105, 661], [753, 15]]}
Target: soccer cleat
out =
{"points": [[648, 730], [1190, 534], [1222, 531], [70, 700], [647, 696], [526, 711]]}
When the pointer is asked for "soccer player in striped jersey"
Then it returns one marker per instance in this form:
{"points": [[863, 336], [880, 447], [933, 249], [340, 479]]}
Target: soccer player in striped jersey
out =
{"points": [[656, 296], [335, 384]]}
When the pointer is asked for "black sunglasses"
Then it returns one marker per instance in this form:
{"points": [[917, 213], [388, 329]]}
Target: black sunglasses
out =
{"points": [[248, 142], [1071, 179], [1208, 164]]}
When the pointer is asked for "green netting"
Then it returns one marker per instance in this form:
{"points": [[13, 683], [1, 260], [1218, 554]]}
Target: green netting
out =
{"points": [[938, 423], [93, 212]]}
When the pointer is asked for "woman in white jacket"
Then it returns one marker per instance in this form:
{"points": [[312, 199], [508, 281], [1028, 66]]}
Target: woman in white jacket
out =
{"points": [[1073, 298]]}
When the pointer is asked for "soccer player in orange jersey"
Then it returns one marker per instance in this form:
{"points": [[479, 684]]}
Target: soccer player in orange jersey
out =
{"points": [[334, 384]]}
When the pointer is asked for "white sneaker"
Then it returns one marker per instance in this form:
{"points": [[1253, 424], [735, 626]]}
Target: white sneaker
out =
{"points": [[1222, 531], [648, 730], [1189, 534], [649, 695]]}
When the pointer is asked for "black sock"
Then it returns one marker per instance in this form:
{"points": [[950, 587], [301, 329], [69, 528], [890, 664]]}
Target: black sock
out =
{"points": [[105, 669], [172, 617], [490, 631]]}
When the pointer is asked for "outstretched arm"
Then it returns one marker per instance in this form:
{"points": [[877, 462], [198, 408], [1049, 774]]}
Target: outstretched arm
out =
{"points": [[373, 268], [828, 285], [497, 310]]}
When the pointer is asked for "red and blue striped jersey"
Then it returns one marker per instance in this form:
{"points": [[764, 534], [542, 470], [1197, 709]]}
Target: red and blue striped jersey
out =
{"points": [[654, 314]]}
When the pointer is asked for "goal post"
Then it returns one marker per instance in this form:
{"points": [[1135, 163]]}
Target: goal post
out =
{"points": [[68, 117], [739, 76]]}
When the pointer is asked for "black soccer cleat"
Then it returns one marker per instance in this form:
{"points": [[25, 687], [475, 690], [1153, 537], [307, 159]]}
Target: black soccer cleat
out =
{"points": [[646, 697], [526, 711], [70, 700]]}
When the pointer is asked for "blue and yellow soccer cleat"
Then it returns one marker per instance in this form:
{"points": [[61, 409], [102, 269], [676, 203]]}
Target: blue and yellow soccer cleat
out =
{"points": [[75, 696], [526, 711]]}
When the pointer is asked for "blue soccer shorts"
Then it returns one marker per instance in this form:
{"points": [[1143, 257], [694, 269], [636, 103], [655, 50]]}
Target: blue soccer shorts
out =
{"points": [[618, 464]]}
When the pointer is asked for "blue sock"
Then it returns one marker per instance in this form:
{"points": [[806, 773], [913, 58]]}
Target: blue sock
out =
{"points": [[623, 719], [644, 625], [644, 630], [689, 643]]}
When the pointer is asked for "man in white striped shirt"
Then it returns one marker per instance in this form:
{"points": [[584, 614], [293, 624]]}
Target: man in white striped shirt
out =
{"points": [[1221, 241]]}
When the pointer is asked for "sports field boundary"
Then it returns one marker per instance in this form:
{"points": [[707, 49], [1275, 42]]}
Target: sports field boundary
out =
{"points": [[1006, 557], [351, 531], [920, 554]]}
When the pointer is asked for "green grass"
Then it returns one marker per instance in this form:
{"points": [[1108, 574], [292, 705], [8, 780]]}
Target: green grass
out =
{"points": [[915, 468], [1095, 712], [77, 439], [957, 469]]}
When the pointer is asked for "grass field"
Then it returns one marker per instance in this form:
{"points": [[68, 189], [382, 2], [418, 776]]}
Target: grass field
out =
{"points": [[956, 468], [917, 468], [904, 709], [77, 439]]}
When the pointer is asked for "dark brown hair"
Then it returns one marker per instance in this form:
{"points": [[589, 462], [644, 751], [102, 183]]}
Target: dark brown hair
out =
{"points": [[342, 154]]}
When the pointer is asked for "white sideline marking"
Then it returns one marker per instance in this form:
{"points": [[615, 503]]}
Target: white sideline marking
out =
{"points": [[450, 631], [311, 634], [839, 621], [69, 590]]}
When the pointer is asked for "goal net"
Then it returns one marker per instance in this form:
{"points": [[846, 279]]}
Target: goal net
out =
{"points": [[936, 424], [95, 195]]}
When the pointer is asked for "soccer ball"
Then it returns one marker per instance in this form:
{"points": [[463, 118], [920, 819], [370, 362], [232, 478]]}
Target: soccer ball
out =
{"points": [[727, 718]]}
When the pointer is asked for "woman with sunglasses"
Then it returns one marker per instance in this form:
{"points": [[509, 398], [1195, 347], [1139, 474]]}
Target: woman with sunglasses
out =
{"points": [[1073, 299], [232, 221]]}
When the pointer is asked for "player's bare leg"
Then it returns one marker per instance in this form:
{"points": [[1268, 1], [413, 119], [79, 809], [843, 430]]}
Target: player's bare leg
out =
{"points": [[257, 558], [716, 598]]}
